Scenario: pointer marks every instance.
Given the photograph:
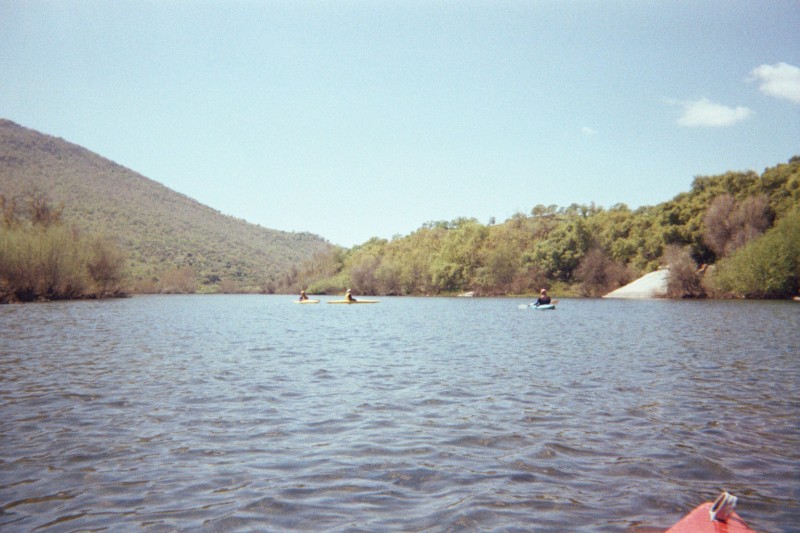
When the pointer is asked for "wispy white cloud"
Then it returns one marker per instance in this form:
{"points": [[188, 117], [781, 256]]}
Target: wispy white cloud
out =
{"points": [[586, 130], [705, 113], [781, 80]]}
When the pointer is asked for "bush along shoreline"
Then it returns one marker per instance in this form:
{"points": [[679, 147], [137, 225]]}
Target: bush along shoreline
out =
{"points": [[41, 259]]}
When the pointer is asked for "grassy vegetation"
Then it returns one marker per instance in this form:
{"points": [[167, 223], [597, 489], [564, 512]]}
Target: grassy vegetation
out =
{"points": [[43, 259]]}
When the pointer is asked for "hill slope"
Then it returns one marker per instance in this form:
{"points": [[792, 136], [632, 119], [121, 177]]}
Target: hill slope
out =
{"points": [[161, 229]]}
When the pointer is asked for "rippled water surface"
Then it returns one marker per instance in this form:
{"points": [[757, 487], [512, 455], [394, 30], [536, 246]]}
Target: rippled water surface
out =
{"points": [[226, 413]]}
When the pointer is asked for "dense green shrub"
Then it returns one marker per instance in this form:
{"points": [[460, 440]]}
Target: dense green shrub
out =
{"points": [[768, 267]]}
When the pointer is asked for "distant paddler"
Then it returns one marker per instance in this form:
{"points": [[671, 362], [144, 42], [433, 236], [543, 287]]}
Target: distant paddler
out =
{"points": [[348, 299], [303, 299], [543, 299]]}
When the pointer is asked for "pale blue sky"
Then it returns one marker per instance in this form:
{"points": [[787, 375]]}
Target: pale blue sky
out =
{"points": [[356, 119]]}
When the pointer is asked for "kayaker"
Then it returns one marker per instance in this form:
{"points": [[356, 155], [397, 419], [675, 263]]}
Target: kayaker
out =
{"points": [[543, 298], [349, 297], [303, 295]]}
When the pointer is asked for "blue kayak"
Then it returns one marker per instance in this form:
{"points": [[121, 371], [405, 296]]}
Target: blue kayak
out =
{"points": [[544, 307]]}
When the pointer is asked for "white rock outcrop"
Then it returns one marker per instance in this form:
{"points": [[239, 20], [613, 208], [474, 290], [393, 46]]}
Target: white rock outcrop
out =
{"points": [[652, 285]]}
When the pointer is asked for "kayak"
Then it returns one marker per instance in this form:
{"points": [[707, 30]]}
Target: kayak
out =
{"points": [[306, 301], [717, 517], [354, 301], [546, 307]]}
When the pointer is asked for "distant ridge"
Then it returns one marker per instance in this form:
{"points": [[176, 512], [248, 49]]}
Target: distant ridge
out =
{"points": [[161, 229]]}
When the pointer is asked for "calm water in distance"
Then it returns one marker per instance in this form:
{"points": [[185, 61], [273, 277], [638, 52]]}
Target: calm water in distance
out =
{"points": [[251, 413]]}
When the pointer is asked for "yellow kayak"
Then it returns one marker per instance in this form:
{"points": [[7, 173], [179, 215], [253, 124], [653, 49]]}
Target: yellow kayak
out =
{"points": [[353, 301], [306, 301]]}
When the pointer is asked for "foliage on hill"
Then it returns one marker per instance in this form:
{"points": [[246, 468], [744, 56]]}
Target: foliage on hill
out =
{"points": [[580, 249], [173, 242]]}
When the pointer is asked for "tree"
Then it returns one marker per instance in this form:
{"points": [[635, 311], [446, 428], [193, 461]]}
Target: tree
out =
{"points": [[540, 210], [42, 212], [750, 220], [599, 275], [766, 267], [729, 225], [363, 274], [684, 278], [560, 254], [717, 222], [457, 260], [106, 266], [7, 212], [501, 267]]}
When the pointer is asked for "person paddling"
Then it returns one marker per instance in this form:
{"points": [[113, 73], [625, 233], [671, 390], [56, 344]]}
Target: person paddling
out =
{"points": [[349, 297], [303, 295], [543, 299]]}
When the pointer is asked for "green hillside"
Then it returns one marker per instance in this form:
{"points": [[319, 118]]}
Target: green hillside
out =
{"points": [[162, 231]]}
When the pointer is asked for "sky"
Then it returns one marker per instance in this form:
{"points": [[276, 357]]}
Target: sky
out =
{"points": [[359, 119]]}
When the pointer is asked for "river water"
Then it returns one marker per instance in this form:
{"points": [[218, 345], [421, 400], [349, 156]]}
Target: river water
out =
{"points": [[250, 413]]}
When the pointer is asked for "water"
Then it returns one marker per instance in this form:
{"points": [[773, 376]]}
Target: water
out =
{"points": [[249, 413]]}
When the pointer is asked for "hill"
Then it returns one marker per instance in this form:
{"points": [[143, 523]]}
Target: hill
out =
{"points": [[161, 230]]}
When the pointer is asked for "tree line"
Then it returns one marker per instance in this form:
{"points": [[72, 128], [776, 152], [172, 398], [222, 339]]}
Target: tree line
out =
{"points": [[734, 235]]}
